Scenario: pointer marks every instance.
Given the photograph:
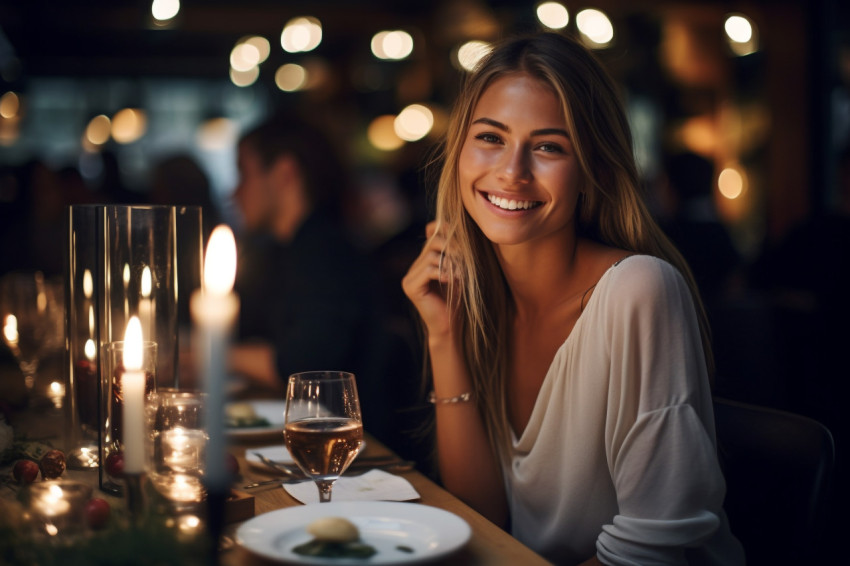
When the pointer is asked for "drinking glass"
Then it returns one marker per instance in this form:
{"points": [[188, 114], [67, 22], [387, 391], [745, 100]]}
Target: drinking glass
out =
{"points": [[323, 426], [28, 307], [176, 445]]}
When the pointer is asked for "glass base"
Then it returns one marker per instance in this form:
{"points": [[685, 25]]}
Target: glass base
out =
{"points": [[83, 458]]}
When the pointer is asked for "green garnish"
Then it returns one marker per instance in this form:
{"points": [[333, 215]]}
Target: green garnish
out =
{"points": [[325, 549], [249, 422]]}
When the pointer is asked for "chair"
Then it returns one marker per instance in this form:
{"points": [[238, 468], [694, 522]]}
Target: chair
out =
{"points": [[778, 469]]}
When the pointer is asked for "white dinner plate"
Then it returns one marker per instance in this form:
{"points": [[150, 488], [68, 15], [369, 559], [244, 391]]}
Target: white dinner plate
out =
{"points": [[268, 409], [278, 453], [402, 533]]}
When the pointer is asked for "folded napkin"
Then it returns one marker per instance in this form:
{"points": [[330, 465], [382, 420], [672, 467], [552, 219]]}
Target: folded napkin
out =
{"points": [[374, 485]]}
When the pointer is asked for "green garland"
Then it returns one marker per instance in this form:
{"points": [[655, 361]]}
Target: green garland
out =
{"points": [[156, 542]]}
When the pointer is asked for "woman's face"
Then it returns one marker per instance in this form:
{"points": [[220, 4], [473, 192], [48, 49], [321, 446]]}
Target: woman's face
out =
{"points": [[519, 175]]}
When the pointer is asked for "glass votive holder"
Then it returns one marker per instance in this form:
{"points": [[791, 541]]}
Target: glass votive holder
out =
{"points": [[57, 508], [177, 442], [112, 404]]}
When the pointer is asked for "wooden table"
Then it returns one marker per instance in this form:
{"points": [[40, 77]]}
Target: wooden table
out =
{"points": [[489, 545]]}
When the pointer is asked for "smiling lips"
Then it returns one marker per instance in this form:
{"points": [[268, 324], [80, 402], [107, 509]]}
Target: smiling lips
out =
{"points": [[512, 204]]}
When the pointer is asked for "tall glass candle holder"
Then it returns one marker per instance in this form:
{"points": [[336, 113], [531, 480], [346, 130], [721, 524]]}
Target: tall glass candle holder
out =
{"points": [[123, 261]]}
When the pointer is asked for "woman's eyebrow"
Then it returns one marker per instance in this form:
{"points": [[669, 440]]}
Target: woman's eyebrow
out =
{"points": [[550, 132], [505, 128], [491, 122]]}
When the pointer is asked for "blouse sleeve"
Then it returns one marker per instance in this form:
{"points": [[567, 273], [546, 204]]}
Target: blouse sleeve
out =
{"points": [[659, 431]]}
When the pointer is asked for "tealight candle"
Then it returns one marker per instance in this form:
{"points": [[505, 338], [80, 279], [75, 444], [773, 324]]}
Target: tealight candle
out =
{"points": [[133, 390], [214, 309], [183, 449]]}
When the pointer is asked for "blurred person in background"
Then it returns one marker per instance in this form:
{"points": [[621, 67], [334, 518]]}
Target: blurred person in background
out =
{"points": [[308, 296], [180, 180]]}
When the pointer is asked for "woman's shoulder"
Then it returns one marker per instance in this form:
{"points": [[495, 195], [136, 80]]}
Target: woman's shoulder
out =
{"points": [[641, 277]]}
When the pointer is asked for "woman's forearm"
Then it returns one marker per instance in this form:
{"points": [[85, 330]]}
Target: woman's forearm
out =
{"points": [[468, 467]]}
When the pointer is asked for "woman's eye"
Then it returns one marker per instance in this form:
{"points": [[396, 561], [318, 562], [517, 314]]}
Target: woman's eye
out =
{"points": [[550, 148], [489, 138]]}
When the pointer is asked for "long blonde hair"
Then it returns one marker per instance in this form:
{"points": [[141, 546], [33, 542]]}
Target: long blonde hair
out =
{"points": [[611, 210]]}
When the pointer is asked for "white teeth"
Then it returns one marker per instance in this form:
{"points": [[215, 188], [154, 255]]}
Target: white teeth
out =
{"points": [[511, 204]]}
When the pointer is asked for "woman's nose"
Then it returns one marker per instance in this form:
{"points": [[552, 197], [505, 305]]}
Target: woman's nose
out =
{"points": [[515, 167]]}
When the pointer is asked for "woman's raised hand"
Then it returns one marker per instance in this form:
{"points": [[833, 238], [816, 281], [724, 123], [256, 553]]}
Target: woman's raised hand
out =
{"points": [[425, 283]]}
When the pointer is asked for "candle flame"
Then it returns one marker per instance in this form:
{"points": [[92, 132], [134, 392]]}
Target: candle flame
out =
{"points": [[88, 284], [90, 349], [133, 345], [220, 262], [10, 329], [146, 282]]}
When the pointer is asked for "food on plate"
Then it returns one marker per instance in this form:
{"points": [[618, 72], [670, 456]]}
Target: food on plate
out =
{"points": [[334, 529], [334, 537], [243, 415]]}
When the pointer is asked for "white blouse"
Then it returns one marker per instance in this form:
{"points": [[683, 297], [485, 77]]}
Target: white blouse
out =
{"points": [[618, 457]]}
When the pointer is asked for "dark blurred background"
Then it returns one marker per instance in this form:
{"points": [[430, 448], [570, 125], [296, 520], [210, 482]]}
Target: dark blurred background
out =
{"points": [[741, 124]]}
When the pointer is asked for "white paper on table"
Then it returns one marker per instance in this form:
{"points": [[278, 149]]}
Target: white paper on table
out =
{"points": [[374, 485]]}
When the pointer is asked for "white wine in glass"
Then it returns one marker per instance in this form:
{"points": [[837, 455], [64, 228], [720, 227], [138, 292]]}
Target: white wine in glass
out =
{"points": [[323, 425]]}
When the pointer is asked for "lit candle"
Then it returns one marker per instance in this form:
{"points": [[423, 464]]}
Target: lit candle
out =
{"points": [[214, 311], [145, 310], [51, 502], [133, 389], [183, 449]]}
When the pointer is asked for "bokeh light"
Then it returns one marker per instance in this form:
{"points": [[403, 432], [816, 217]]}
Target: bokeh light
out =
{"points": [[290, 77], [261, 44], [731, 183], [244, 56], [414, 122], [163, 10], [741, 34], [381, 133], [244, 78], [393, 45], [128, 125], [553, 15], [470, 53], [595, 26], [98, 130], [217, 134], [301, 34], [10, 104]]}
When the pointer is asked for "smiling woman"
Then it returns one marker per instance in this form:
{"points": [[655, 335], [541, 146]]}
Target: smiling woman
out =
{"points": [[519, 178], [566, 339]]}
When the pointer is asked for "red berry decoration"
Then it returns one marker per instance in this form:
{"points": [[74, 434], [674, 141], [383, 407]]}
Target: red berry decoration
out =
{"points": [[52, 464], [25, 471], [97, 512], [115, 464]]}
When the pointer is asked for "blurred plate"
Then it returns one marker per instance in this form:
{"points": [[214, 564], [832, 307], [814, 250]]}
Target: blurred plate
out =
{"points": [[402, 533], [268, 409]]}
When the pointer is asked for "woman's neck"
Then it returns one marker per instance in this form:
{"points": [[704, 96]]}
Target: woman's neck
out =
{"points": [[540, 274]]}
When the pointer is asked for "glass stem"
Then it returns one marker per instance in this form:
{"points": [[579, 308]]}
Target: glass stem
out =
{"points": [[325, 487]]}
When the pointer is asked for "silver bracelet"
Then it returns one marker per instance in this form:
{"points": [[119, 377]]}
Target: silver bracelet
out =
{"points": [[462, 398]]}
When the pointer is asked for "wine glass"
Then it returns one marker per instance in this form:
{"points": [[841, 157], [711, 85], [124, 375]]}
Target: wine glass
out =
{"points": [[323, 427], [28, 310]]}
